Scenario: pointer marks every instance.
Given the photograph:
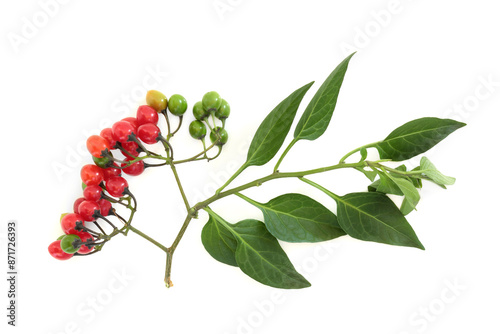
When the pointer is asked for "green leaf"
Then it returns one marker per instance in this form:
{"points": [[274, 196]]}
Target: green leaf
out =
{"points": [[387, 185], [415, 137], [429, 170], [412, 197], [318, 113], [374, 217], [370, 174], [219, 242], [274, 128], [260, 256], [298, 218]]}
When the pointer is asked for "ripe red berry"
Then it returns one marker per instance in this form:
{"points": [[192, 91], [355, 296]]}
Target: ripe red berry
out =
{"points": [[85, 237], [91, 175], [107, 134], [105, 206], [122, 130], [116, 186], [98, 146], [148, 133], [132, 148], [92, 193], [56, 251], [134, 169], [89, 210], [133, 122], [110, 172], [72, 223], [77, 203], [146, 114]]}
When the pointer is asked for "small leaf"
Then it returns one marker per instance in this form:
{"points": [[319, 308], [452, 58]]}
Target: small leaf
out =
{"points": [[412, 197], [274, 128], [370, 174], [260, 256], [318, 113], [219, 242], [415, 137], [427, 168], [364, 154], [298, 218]]}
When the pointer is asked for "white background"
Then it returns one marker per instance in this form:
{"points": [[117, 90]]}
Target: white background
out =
{"points": [[74, 73]]}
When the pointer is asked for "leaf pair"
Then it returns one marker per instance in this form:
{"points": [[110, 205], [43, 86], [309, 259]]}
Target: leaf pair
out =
{"points": [[250, 246], [273, 130]]}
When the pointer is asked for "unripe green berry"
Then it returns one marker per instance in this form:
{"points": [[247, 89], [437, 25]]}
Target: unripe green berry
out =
{"points": [[198, 111], [216, 133], [223, 111], [211, 101], [71, 243], [197, 129], [156, 100], [104, 162], [177, 105], [62, 236]]}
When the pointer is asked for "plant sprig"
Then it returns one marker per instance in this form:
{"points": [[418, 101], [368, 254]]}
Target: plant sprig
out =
{"points": [[254, 245]]}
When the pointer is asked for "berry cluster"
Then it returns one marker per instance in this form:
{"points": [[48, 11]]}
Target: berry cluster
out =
{"points": [[122, 148]]}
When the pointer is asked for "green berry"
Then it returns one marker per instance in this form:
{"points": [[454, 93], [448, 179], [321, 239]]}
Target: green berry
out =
{"points": [[62, 236], [198, 111], [156, 100], [197, 129], [104, 162], [177, 105], [216, 133], [223, 111], [211, 101], [71, 243]]}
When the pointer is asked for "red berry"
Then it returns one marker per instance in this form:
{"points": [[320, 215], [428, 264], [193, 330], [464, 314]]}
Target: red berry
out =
{"points": [[148, 133], [91, 175], [88, 210], [146, 114], [85, 237], [122, 130], [92, 193], [116, 186], [97, 146], [107, 134], [105, 206], [77, 203], [56, 251], [134, 169], [110, 172], [72, 223], [132, 148], [133, 122]]}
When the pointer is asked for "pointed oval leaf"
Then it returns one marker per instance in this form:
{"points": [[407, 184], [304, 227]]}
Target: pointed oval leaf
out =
{"points": [[298, 218], [219, 242], [373, 216], [260, 256], [274, 128], [318, 113], [410, 192], [415, 137]]}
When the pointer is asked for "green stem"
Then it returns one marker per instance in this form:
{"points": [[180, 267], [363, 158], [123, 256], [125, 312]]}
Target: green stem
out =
{"points": [[326, 191], [284, 153], [171, 249], [179, 185], [148, 238], [238, 172], [356, 150]]}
